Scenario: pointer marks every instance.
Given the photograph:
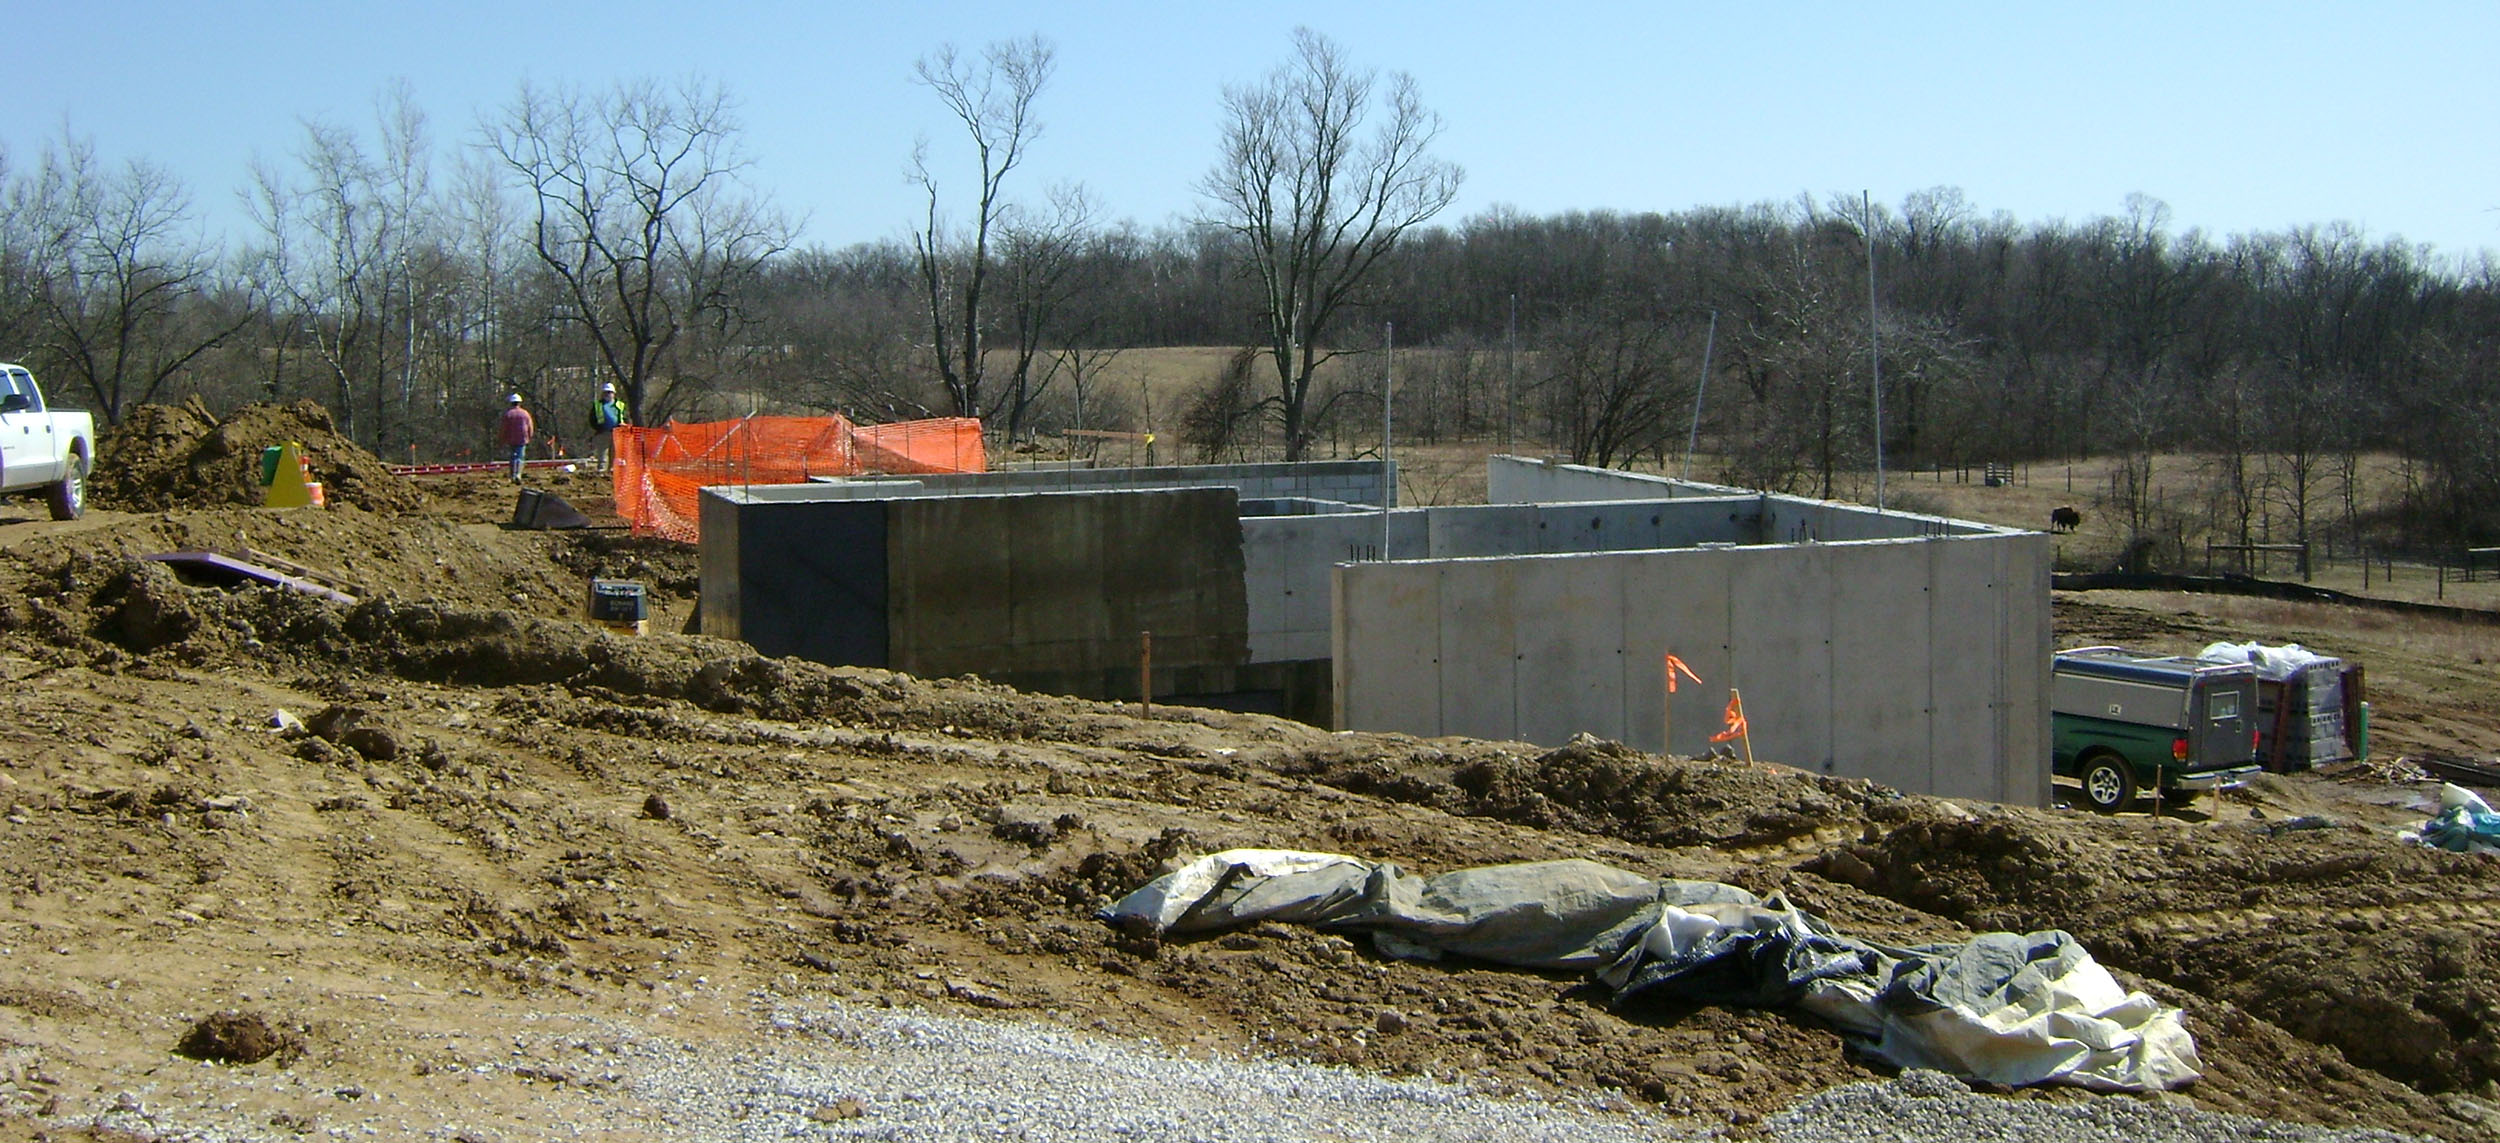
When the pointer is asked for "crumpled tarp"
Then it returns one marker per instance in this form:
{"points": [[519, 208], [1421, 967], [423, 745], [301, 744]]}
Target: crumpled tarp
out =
{"points": [[2007, 1008], [2276, 663], [2465, 823]]}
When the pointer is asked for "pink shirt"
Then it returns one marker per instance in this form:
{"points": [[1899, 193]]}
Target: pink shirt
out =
{"points": [[517, 426]]}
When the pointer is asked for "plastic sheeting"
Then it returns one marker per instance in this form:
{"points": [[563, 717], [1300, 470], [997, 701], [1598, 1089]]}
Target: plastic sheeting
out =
{"points": [[2272, 662], [2465, 823], [2014, 1009]]}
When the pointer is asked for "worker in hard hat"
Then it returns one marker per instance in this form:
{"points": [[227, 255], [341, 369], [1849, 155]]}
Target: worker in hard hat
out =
{"points": [[516, 429], [607, 416]]}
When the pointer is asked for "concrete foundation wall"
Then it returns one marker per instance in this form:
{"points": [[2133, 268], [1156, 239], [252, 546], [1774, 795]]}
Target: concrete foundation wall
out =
{"points": [[1528, 480], [1921, 664], [1350, 481], [1286, 559], [1617, 526], [1064, 582], [1049, 591], [1285, 571], [1784, 519], [804, 579]]}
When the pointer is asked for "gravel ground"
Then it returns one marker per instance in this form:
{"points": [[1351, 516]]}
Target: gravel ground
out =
{"points": [[838, 1072], [872, 1075], [1923, 1105]]}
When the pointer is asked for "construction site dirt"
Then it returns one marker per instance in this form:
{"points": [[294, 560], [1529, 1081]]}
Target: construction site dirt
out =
{"points": [[372, 842]]}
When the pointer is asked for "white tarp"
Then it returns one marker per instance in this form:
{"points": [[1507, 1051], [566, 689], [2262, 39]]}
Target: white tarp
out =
{"points": [[2274, 664], [2007, 1008]]}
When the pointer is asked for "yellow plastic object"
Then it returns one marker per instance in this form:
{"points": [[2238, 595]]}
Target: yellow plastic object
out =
{"points": [[292, 485]]}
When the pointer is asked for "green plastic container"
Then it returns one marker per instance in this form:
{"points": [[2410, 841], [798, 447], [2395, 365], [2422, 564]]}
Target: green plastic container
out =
{"points": [[269, 464]]}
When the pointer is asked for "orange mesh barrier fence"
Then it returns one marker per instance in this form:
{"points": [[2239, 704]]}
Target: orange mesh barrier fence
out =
{"points": [[661, 472]]}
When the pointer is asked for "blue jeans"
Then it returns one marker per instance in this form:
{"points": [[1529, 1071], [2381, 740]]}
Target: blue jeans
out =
{"points": [[518, 452]]}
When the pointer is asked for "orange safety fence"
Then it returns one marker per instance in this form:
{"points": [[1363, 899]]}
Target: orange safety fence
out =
{"points": [[660, 472]]}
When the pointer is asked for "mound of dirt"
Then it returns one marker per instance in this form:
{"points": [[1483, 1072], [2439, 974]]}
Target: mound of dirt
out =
{"points": [[428, 826], [180, 456], [232, 1037]]}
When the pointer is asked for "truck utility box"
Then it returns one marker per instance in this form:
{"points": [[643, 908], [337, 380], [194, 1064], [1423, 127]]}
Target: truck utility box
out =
{"points": [[2125, 723], [2308, 704]]}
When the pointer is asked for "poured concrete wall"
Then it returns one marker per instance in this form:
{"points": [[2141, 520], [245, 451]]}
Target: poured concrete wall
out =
{"points": [[1062, 584], [1921, 664], [1285, 571], [1528, 480], [1286, 559], [1351, 481], [1782, 519], [1617, 526], [796, 578], [1048, 592]]}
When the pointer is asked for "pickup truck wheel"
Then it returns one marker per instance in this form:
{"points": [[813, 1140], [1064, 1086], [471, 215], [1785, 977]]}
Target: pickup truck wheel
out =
{"points": [[2108, 783], [68, 495]]}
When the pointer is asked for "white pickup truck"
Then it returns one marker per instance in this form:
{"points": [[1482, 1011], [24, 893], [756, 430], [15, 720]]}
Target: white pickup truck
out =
{"points": [[42, 449]]}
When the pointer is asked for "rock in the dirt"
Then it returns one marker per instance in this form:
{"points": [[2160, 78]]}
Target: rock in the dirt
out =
{"points": [[837, 1111], [1390, 1023], [233, 1037], [154, 608], [975, 993], [334, 722], [656, 808], [373, 742]]}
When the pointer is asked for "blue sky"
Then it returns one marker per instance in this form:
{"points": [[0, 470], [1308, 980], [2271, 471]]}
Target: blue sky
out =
{"points": [[2241, 116]]}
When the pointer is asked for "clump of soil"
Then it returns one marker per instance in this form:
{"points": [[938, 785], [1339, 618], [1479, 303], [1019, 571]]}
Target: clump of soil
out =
{"points": [[232, 1037], [181, 456]]}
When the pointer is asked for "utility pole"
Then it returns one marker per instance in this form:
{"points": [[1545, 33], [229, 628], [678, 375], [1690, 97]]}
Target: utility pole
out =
{"points": [[1874, 347], [1510, 365], [1709, 341], [1388, 392]]}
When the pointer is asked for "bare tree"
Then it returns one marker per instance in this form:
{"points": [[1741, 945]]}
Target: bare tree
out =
{"points": [[1322, 173], [994, 102], [1044, 264], [117, 286], [1609, 396], [636, 212], [324, 262]]}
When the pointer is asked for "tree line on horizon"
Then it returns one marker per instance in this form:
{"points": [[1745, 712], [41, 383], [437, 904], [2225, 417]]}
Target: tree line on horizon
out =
{"points": [[584, 235]]}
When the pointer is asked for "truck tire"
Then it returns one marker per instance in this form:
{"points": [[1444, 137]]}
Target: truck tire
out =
{"points": [[2108, 782], [68, 495]]}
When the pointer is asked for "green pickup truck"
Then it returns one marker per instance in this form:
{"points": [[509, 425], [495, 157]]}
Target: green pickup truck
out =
{"points": [[2125, 724]]}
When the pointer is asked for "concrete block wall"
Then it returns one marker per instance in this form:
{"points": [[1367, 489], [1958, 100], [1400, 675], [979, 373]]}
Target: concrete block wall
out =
{"points": [[1921, 664]]}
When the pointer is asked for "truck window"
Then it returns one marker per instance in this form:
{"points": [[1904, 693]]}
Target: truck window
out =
{"points": [[2222, 704]]}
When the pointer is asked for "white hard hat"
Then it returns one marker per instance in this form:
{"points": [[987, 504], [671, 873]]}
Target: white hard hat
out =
{"points": [[608, 387], [515, 398]]}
